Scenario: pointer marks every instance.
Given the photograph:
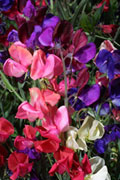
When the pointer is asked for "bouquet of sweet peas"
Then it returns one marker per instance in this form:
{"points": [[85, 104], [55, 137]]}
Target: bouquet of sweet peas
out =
{"points": [[59, 90]]}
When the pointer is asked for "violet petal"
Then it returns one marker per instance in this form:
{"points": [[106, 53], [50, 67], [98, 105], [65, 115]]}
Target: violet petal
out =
{"points": [[90, 95], [45, 38], [86, 53]]}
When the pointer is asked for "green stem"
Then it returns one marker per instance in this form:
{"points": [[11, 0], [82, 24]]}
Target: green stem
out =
{"points": [[51, 5], [65, 80], [105, 38], [9, 86], [58, 176]]}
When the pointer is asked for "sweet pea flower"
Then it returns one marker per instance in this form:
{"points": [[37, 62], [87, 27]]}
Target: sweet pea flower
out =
{"points": [[57, 120], [49, 145], [99, 169], [37, 107], [68, 161], [107, 45], [6, 129], [22, 59], [43, 67], [90, 130], [108, 62], [19, 164], [84, 96]]}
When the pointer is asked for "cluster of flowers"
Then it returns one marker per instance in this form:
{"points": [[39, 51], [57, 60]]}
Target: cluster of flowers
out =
{"points": [[49, 52]]}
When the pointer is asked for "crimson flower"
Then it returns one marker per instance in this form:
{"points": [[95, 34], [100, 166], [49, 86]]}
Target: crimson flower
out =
{"points": [[19, 164], [6, 129]]}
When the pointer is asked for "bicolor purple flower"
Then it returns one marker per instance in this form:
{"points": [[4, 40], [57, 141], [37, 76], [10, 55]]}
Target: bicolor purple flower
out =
{"points": [[6, 4], [108, 62], [43, 34], [86, 53], [86, 97], [112, 133]]}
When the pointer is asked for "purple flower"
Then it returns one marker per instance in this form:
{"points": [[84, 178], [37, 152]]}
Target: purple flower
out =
{"points": [[86, 53], [86, 97], [108, 62], [42, 34], [76, 103], [13, 36], [6, 4], [32, 153], [114, 89], [46, 36], [32, 42], [112, 133], [89, 95], [29, 9]]}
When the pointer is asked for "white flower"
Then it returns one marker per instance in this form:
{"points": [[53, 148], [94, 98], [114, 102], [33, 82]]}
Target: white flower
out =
{"points": [[99, 169], [90, 130]]}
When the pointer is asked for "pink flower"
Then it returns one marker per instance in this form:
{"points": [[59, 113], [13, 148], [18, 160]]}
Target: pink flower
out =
{"points": [[22, 59], [43, 67], [37, 107], [22, 143], [57, 121]]}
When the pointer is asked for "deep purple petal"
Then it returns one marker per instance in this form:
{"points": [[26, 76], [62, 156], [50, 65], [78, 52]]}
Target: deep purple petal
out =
{"points": [[117, 68], [90, 95], [86, 53], [114, 89], [33, 40], [102, 59], [45, 38], [110, 68], [100, 146], [116, 56]]}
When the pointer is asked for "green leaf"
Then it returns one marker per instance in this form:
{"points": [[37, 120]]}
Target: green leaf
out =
{"points": [[77, 11], [9, 86], [98, 14], [86, 22]]}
